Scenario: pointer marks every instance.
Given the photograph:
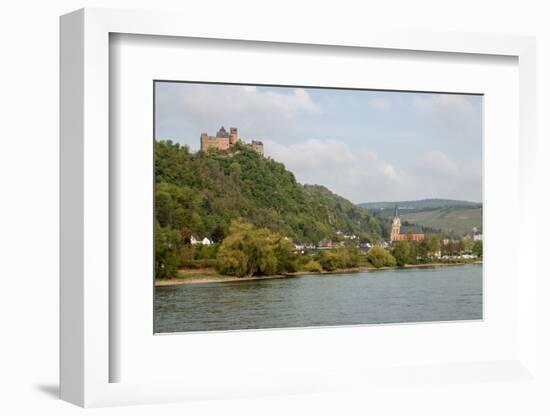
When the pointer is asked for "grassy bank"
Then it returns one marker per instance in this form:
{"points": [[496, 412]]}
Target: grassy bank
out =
{"points": [[210, 275]]}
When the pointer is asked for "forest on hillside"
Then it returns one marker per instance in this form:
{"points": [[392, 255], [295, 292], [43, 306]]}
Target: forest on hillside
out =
{"points": [[201, 193], [214, 194]]}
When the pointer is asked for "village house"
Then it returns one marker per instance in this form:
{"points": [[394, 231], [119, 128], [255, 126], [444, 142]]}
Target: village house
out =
{"points": [[205, 241], [342, 235], [299, 247], [475, 235], [326, 244]]}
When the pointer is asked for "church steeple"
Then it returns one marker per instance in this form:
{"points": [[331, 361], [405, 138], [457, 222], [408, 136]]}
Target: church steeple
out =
{"points": [[395, 226]]}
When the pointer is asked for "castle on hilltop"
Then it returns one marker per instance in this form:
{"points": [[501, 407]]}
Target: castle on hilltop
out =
{"points": [[406, 232], [224, 140]]}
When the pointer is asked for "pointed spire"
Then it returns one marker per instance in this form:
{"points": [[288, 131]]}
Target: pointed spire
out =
{"points": [[396, 213]]}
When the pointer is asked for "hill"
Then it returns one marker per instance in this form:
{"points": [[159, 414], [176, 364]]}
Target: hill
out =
{"points": [[422, 204], [201, 193], [458, 220], [450, 216]]}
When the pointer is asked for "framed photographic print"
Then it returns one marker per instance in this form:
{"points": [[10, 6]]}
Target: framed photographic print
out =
{"points": [[287, 196], [287, 231]]}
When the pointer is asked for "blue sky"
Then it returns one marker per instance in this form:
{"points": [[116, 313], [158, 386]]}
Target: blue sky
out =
{"points": [[364, 145]]}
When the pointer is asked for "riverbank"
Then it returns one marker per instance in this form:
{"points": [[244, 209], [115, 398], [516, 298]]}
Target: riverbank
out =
{"points": [[197, 276]]}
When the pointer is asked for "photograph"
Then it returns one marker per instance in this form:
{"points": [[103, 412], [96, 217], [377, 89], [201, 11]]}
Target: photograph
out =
{"points": [[312, 206]]}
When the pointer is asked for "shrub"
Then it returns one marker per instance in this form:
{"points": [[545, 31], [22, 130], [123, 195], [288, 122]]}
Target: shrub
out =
{"points": [[349, 257], [341, 258], [199, 264], [313, 266], [206, 251], [329, 260], [379, 257]]}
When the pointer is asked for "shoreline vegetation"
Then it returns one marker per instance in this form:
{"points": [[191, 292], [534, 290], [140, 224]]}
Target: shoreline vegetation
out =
{"points": [[210, 275]]}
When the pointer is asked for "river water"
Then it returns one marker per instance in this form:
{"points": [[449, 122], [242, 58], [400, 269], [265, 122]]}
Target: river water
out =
{"points": [[387, 296]]}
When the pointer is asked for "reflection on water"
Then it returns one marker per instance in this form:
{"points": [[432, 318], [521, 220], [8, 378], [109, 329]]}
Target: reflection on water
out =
{"points": [[390, 296]]}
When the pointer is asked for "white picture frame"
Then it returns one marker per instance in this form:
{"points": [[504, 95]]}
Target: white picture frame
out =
{"points": [[85, 213]]}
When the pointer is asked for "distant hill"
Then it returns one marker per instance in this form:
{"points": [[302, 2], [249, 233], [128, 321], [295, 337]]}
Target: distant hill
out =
{"points": [[201, 193], [422, 204], [448, 215]]}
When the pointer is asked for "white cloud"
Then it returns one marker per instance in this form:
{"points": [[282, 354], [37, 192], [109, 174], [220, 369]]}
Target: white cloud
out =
{"points": [[373, 178], [435, 162], [361, 175], [311, 155], [253, 110], [452, 103], [445, 178], [356, 174], [456, 114]]}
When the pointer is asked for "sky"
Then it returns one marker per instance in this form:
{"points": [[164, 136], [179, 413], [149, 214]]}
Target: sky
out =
{"points": [[366, 146]]}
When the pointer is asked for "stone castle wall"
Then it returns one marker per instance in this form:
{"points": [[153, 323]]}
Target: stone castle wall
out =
{"points": [[223, 141]]}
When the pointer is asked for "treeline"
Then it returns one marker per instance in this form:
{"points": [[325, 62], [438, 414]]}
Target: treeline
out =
{"points": [[462, 245], [405, 252], [411, 252], [247, 251], [252, 251], [414, 252]]}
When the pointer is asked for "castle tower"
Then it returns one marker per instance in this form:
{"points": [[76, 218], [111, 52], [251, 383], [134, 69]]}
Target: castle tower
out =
{"points": [[204, 142], [222, 133], [258, 147], [233, 135], [395, 226]]}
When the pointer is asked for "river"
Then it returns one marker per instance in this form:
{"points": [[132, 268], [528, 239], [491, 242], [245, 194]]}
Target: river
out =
{"points": [[386, 296]]}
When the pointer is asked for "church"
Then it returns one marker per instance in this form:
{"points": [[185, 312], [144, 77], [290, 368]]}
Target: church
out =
{"points": [[406, 232]]}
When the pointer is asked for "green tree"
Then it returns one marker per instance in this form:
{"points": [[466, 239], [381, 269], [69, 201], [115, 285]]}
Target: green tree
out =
{"points": [[405, 252], [167, 249], [287, 259], [248, 251], [466, 244], [380, 257], [313, 266], [452, 248], [329, 260], [206, 251], [232, 262], [349, 256], [341, 258], [433, 243], [477, 249], [429, 246]]}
